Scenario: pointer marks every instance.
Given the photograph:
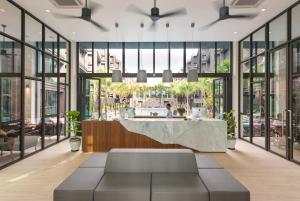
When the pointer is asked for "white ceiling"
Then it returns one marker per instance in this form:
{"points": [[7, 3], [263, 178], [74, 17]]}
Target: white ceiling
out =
{"points": [[199, 11]]}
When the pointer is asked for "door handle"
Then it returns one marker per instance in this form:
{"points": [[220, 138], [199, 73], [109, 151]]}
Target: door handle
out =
{"points": [[290, 124]]}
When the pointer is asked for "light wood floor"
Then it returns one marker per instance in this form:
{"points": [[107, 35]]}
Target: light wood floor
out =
{"points": [[268, 177]]}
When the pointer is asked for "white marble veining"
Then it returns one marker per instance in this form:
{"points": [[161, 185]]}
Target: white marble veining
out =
{"points": [[207, 135]]}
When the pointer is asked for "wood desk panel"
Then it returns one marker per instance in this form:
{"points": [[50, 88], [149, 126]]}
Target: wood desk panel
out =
{"points": [[101, 136]]}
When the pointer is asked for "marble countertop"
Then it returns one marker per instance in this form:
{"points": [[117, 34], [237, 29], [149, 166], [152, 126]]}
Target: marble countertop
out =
{"points": [[207, 135]]}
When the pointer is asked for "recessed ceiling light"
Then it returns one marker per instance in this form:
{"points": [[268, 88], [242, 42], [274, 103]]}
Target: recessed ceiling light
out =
{"points": [[263, 10], [47, 11], [73, 32], [235, 32], [2, 10]]}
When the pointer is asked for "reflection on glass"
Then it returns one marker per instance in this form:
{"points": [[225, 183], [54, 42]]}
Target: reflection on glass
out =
{"points": [[193, 56], [131, 57], [10, 109], [245, 101], [63, 49], [295, 21], [259, 101], [258, 42], [223, 57], [278, 31], [33, 114], [100, 57], [11, 17], [63, 93], [91, 98], [33, 62], [146, 57], [33, 32], [176, 55], [278, 101], [85, 57], [115, 56], [208, 60], [10, 57], [296, 102], [50, 42], [218, 98], [161, 57], [245, 48]]}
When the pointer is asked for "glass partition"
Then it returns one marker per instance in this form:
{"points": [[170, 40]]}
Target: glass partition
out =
{"points": [[245, 49], [33, 32], [11, 18], [295, 21], [259, 42], [278, 31]]}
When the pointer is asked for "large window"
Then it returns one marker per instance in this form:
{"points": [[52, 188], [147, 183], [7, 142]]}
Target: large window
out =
{"points": [[278, 31], [115, 56], [131, 57], [161, 57], [208, 57], [146, 57], [176, 58], [223, 54], [193, 58], [41, 94], [100, 57], [295, 21]]}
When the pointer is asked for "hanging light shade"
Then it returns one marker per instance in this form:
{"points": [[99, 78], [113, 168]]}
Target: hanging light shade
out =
{"points": [[167, 76], [192, 75], [117, 76], [141, 76]]}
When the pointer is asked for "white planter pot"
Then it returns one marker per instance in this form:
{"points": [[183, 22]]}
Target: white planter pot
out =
{"points": [[75, 143], [231, 144]]}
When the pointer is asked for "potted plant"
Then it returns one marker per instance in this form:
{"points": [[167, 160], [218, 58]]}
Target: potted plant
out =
{"points": [[231, 125], [73, 129], [181, 111]]}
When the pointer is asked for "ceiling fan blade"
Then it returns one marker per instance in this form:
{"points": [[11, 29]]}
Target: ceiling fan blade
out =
{"points": [[137, 10], [94, 6], [205, 27], [99, 26], [62, 16], [181, 11], [153, 26], [249, 16]]}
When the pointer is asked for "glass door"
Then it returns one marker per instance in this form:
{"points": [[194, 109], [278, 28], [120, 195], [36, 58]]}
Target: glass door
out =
{"points": [[295, 103], [91, 98], [218, 98], [278, 102]]}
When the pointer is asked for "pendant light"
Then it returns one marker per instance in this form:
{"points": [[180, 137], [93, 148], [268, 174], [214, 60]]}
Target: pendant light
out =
{"points": [[167, 74], [142, 74], [192, 75], [117, 74]]}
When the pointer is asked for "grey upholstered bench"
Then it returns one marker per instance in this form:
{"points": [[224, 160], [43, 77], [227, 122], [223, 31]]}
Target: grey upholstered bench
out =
{"points": [[205, 161], [151, 175], [222, 186], [79, 186]]}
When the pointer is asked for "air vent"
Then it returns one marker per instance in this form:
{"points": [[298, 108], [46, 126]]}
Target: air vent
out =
{"points": [[246, 3], [66, 3]]}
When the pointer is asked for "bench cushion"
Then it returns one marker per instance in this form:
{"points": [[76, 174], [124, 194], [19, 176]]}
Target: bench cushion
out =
{"points": [[151, 160], [96, 160], [79, 186], [205, 161], [222, 186], [178, 187], [124, 187]]}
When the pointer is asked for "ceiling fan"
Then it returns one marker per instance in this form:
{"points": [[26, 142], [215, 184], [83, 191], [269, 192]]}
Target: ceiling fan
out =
{"points": [[225, 15], [154, 13], [86, 15]]}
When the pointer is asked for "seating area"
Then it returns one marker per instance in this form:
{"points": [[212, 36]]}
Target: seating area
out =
{"points": [[151, 174]]}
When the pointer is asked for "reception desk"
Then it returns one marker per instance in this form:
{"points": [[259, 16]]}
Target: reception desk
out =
{"points": [[202, 135]]}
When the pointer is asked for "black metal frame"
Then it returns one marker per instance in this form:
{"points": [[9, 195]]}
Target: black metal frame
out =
{"points": [[42, 76], [268, 50]]}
